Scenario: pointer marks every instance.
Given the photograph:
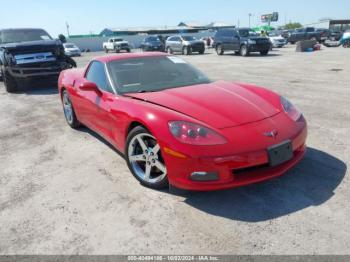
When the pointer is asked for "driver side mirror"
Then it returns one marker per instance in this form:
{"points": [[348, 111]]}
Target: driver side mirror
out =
{"points": [[90, 86]]}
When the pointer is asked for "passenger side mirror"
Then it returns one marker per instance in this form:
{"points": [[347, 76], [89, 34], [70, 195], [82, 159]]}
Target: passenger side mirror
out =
{"points": [[90, 86]]}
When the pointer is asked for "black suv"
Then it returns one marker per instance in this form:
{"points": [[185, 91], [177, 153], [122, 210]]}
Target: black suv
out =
{"points": [[30, 53], [152, 43], [243, 41]]}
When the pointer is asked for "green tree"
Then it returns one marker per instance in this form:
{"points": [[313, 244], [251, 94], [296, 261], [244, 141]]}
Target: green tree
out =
{"points": [[293, 26]]}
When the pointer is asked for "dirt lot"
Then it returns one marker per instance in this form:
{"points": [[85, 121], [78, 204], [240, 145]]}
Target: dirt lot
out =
{"points": [[68, 192]]}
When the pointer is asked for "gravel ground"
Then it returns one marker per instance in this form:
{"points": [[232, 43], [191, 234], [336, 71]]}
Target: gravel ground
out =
{"points": [[68, 192]]}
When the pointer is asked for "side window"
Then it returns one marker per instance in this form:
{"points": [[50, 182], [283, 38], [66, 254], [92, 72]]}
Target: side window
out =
{"points": [[177, 39], [97, 75], [218, 34], [228, 33]]}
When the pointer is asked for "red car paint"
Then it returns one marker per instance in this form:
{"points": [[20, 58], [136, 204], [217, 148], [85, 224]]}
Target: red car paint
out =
{"points": [[239, 112]]}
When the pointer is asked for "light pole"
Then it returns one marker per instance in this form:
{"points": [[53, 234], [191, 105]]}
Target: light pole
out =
{"points": [[67, 26], [250, 15]]}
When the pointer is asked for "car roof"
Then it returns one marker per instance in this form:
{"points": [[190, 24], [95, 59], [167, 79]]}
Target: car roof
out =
{"points": [[18, 29], [117, 57]]}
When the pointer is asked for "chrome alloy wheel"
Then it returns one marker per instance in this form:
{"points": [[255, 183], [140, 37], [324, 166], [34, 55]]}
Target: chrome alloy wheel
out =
{"points": [[145, 158], [67, 107]]}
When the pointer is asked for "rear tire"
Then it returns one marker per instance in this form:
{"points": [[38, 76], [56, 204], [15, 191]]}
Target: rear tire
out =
{"points": [[220, 50], [244, 50], [264, 53], [106, 50], [202, 52], [144, 159], [10, 83]]}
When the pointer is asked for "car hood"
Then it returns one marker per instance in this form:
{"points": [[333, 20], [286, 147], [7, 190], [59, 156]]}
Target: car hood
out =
{"points": [[155, 43], [276, 38], [195, 42], [33, 46], [72, 49], [219, 104], [121, 42]]}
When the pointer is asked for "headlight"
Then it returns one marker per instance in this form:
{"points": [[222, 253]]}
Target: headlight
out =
{"points": [[251, 42], [194, 134], [290, 109]]}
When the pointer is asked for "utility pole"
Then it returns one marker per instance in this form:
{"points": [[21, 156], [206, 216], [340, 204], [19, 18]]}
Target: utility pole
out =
{"points": [[67, 26], [250, 15]]}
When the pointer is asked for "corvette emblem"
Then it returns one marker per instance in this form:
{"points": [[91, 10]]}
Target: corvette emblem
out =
{"points": [[273, 134]]}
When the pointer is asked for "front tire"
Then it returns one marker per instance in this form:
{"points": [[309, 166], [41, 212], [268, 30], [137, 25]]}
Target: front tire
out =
{"points": [[144, 159], [220, 50], [10, 82], [264, 53], [244, 50], [106, 50], [187, 50], [69, 112], [169, 51]]}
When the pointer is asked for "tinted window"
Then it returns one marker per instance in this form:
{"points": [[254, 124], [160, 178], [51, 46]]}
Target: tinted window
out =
{"points": [[189, 38], [247, 33], [228, 33], [23, 35], [152, 39], [97, 75], [153, 74], [174, 38]]}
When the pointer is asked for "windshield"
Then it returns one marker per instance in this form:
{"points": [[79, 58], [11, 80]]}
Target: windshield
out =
{"points": [[189, 38], [274, 34], [118, 40], [247, 33], [69, 46], [150, 74], [23, 35], [152, 39]]}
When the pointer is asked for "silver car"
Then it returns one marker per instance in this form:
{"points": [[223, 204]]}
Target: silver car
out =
{"points": [[71, 49], [185, 45]]}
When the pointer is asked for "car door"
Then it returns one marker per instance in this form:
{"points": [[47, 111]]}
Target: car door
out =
{"points": [[177, 44], [93, 107], [300, 34], [235, 40], [102, 118], [228, 39]]}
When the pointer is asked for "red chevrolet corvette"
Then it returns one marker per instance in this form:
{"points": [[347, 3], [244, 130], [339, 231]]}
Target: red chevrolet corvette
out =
{"points": [[177, 127]]}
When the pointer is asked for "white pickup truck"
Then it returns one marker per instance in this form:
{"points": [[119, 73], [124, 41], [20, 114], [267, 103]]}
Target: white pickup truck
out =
{"points": [[116, 45]]}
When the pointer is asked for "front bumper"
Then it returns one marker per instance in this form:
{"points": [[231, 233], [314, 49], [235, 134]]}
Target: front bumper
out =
{"points": [[122, 48], [245, 166], [259, 47], [154, 48], [72, 53], [36, 71], [279, 43], [197, 48]]}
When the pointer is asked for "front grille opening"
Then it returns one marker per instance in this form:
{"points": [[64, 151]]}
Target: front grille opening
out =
{"points": [[247, 170]]}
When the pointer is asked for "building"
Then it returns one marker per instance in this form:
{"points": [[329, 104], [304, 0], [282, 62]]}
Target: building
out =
{"points": [[183, 27], [148, 31]]}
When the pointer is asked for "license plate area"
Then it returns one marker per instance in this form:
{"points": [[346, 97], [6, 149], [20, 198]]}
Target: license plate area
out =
{"points": [[280, 153]]}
